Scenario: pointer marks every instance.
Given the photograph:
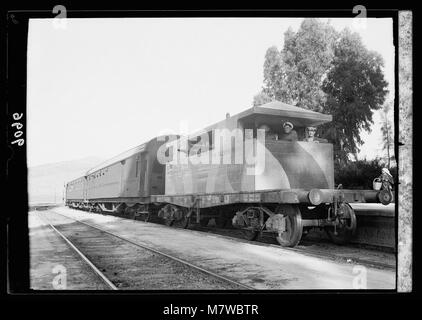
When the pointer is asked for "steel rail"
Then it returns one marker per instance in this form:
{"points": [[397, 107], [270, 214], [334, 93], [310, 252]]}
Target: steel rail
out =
{"points": [[184, 262], [93, 267]]}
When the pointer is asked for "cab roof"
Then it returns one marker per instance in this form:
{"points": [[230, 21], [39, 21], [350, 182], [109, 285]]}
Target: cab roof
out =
{"points": [[122, 156], [275, 111]]}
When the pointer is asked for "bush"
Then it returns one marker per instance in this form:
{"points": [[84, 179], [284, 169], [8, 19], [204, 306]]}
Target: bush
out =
{"points": [[359, 174]]}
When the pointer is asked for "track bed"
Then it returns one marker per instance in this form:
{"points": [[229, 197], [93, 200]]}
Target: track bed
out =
{"points": [[260, 266]]}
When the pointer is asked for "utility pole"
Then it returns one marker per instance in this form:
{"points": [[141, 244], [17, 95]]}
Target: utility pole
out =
{"points": [[388, 139], [63, 193]]}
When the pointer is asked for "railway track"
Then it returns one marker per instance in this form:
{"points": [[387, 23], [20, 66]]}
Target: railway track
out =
{"points": [[125, 264], [352, 253], [101, 275]]}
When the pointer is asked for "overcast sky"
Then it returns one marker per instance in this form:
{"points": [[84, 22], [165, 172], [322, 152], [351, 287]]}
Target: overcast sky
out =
{"points": [[101, 86]]}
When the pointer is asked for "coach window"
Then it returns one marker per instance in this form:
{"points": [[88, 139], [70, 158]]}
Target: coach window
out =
{"points": [[201, 142], [210, 140]]}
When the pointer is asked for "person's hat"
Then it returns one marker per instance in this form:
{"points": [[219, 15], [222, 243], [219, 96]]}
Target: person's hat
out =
{"points": [[311, 128], [287, 123]]}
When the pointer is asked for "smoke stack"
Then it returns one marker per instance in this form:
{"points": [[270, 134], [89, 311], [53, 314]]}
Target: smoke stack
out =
{"points": [[227, 115]]}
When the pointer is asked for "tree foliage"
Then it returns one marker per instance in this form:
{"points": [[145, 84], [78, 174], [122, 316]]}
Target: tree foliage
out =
{"points": [[355, 87], [260, 99], [296, 73]]}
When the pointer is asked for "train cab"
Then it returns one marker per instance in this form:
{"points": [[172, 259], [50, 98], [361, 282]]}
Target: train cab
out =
{"points": [[295, 158]]}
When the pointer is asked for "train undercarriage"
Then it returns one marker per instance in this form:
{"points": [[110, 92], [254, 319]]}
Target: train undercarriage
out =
{"points": [[288, 223]]}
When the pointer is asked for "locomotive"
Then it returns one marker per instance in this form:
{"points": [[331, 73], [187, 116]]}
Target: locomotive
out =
{"points": [[232, 172]]}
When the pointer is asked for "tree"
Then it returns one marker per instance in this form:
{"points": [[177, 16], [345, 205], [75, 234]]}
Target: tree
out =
{"points": [[260, 99], [355, 87], [295, 74], [387, 131]]}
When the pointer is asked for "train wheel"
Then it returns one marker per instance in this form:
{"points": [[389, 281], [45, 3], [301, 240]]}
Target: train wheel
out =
{"points": [[175, 216], [182, 223], [168, 215], [141, 212], [291, 228], [250, 235], [145, 216], [249, 221], [220, 222], [129, 212], [165, 214], [345, 225], [168, 222]]}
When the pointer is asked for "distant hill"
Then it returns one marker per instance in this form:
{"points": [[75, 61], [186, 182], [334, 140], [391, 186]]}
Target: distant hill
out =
{"points": [[46, 182]]}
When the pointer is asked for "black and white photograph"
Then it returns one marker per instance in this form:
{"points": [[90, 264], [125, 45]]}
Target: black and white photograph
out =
{"points": [[217, 153]]}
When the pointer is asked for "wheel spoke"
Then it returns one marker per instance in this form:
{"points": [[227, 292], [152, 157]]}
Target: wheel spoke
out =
{"points": [[292, 234], [346, 226]]}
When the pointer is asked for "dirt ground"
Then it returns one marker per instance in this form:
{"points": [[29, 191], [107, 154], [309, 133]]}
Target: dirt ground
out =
{"points": [[259, 266], [54, 265]]}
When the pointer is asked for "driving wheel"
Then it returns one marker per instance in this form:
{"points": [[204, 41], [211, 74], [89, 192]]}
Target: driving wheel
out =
{"points": [[345, 225], [290, 227]]}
